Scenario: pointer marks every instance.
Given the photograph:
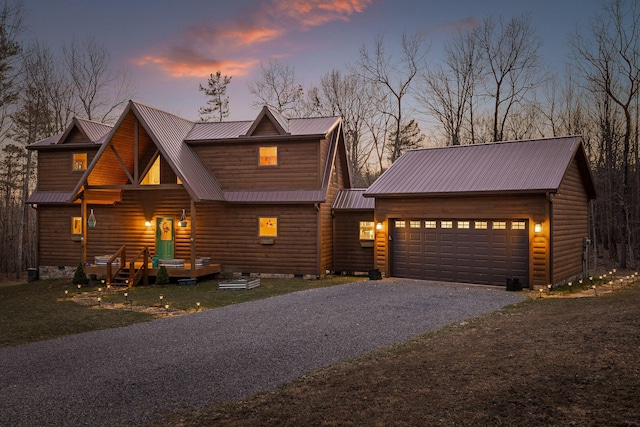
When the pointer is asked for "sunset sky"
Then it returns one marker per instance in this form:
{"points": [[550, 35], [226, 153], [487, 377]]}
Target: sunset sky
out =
{"points": [[172, 46]]}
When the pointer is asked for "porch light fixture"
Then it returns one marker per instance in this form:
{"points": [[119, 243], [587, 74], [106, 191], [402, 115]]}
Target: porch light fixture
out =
{"points": [[183, 220], [379, 226], [91, 221], [147, 223], [537, 227]]}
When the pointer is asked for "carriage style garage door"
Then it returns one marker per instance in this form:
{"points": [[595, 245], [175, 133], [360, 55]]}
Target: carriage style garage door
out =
{"points": [[485, 252]]}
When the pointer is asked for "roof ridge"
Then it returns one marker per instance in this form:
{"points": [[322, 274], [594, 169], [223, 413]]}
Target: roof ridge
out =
{"points": [[484, 144], [136, 103]]}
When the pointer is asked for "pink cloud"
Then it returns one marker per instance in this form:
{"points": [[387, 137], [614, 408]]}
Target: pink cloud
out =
{"points": [[194, 56]]}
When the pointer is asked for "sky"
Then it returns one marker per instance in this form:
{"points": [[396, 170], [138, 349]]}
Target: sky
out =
{"points": [[170, 47]]}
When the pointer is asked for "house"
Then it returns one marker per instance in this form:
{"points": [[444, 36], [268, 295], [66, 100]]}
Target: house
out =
{"points": [[485, 213], [243, 197]]}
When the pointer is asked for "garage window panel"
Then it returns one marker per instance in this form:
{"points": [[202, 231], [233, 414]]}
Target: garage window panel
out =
{"points": [[463, 224], [517, 225], [446, 224], [499, 225], [400, 224], [430, 224], [480, 225], [414, 224]]}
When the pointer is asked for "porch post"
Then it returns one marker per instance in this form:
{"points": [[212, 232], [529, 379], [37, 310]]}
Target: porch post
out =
{"points": [[193, 239], [84, 228]]}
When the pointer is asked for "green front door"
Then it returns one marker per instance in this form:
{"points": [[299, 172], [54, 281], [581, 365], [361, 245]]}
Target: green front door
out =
{"points": [[164, 238]]}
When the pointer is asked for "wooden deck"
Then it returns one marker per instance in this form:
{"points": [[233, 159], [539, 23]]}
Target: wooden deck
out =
{"points": [[179, 273]]}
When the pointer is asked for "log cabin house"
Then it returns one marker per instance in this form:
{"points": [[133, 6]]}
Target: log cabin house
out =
{"points": [[272, 196], [243, 197]]}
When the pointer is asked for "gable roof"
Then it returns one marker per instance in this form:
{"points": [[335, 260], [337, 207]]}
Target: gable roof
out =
{"points": [[168, 132], [517, 166], [91, 132]]}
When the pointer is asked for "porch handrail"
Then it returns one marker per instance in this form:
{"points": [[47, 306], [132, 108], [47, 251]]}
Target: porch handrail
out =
{"points": [[142, 273], [122, 253]]}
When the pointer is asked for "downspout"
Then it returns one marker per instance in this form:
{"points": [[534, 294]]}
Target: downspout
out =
{"points": [[84, 229], [319, 238], [550, 251]]}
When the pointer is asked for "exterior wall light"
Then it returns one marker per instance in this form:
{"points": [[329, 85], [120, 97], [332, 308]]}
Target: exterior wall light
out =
{"points": [[537, 227], [379, 226], [147, 223]]}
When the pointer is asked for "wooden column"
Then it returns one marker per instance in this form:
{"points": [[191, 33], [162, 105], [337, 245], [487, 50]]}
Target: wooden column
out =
{"points": [[193, 239], [84, 229]]}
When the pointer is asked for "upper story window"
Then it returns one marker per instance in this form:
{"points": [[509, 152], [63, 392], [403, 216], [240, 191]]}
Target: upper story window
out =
{"points": [[153, 176], [268, 156], [79, 161]]}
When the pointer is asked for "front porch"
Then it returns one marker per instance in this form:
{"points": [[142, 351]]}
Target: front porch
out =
{"points": [[174, 272]]}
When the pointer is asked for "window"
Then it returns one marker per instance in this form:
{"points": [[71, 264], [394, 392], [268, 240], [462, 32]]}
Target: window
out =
{"points": [[79, 161], [429, 224], [76, 225], [268, 227], [446, 224], [499, 225], [414, 224], [153, 176], [463, 224], [400, 224], [517, 225], [268, 156], [366, 230], [481, 225]]}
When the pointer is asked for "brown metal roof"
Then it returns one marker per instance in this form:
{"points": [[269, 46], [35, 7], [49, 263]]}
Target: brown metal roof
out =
{"points": [[282, 196], [231, 130], [94, 131], [517, 166], [353, 199], [50, 197], [169, 131]]}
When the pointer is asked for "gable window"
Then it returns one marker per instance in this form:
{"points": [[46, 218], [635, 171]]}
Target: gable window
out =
{"points": [[79, 161], [268, 226], [76, 225], [153, 176], [366, 230], [268, 156]]}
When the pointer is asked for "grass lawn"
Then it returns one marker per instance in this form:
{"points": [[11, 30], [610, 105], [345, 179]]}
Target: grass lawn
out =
{"points": [[41, 310]]}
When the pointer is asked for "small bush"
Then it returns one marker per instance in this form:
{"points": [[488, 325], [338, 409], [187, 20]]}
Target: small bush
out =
{"points": [[80, 277], [163, 276]]}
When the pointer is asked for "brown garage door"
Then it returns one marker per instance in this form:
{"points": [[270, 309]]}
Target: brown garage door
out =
{"points": [[468, 251]]}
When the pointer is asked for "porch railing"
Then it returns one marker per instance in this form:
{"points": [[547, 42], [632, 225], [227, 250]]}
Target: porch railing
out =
{"points": [[133, 275]]}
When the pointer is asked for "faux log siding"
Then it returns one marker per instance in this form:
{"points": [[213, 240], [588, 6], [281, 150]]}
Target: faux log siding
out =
{"points": [[55, 246], [265, 128], [472, 207], [337, 181], [348, 254], [123, 223], [235, 165], [570, 225], [55, 169], [229, 234]]}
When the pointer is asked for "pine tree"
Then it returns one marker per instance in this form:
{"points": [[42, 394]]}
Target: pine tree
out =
{"points": [[218, 103]]}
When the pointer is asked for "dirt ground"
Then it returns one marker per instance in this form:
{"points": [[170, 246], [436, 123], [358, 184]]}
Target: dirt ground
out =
{"points": [[551, 361]]}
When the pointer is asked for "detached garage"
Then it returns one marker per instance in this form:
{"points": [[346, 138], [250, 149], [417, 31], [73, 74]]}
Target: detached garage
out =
{"points": [[485, 213]]}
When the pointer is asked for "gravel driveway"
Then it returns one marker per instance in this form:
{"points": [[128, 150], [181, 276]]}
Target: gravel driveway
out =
{"points": [[134, 375]]}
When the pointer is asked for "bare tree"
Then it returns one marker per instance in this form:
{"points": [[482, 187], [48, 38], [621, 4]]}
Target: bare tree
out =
{"points": [[611, 65], [394, 75], [218, 102], [349, 96], [11, 26], [100, 91], [510, 52], [278, 88], [447, 90]]}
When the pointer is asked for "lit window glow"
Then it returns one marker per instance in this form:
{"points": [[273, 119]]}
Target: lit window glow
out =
{"points": [[499, 225], [153, 176], [481, 225], [268, 227], [268, 156], [366, 230], [76, 225], [446, 224], [517, 225], [430, 224], [79, 161]]}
